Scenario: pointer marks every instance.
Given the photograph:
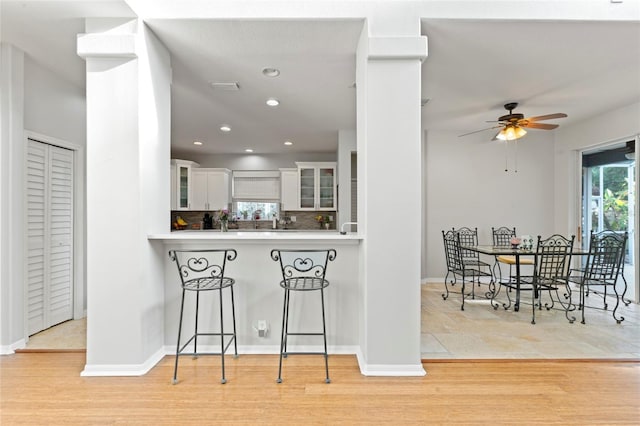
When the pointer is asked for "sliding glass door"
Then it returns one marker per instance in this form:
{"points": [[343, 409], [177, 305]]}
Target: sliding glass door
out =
{"points": [[608, 200]]}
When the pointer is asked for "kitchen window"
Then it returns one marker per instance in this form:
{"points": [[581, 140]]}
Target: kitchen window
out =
{"points": [[256, 194]]}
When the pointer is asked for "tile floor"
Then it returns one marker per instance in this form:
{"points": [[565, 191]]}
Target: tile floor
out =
{"points": [[480, 332], [69, 335]]}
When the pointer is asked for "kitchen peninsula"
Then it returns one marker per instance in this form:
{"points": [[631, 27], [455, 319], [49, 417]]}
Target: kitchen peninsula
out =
{"points": [[258, 296]]}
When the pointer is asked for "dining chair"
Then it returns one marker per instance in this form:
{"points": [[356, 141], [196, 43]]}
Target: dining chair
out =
{"points": [[502, 238], [550, 270], [459, 265], [602, 269], [469, 237]]}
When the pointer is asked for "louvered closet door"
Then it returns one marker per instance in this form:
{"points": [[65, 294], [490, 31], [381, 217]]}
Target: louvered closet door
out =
{"points": [[49, 235]]}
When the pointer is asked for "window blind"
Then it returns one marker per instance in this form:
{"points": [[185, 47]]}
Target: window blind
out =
{"points": [[256, 186]]}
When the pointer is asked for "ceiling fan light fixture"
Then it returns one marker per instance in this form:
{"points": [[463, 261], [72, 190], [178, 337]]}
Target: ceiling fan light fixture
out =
{"points": [[510, 133]]}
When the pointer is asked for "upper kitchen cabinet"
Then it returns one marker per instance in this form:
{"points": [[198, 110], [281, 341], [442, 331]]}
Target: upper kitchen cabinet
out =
{"points": [[317, 186], [211, 189], [289, 197], [181, 185]]}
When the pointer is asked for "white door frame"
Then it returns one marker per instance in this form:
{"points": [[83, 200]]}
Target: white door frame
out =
{"points": [[78, 222]]}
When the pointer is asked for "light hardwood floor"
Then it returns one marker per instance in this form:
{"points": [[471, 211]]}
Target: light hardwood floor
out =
{"points": [[46, 388]]}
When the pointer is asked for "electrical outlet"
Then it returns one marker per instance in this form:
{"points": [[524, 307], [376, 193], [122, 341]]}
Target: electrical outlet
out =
{"points": [[263, 328], [262, 325]]}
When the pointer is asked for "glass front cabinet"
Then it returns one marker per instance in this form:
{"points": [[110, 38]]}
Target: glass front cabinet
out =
{"points": [[181, 184], [317, 186]]}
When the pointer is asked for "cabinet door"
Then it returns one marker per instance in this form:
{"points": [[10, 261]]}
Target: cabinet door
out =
{"points": [[218, 190], [199, 190], [307, 187], [289, 190], [184, 186], [326, 188]]}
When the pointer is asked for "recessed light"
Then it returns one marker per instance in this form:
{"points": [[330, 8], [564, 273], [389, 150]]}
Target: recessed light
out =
{"points": [[197, 143], [248, 150], [225, 128], [271, 72], [273, 102], [288, 143]]}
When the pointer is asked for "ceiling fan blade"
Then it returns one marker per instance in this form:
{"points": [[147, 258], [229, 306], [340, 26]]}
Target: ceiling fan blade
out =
{"points": [[478, 131], [543, 126], [495, 138], [547, 117]]}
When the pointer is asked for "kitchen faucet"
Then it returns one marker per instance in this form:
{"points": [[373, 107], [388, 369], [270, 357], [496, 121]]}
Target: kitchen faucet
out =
{"points": [[254, 216], [342, 231]]}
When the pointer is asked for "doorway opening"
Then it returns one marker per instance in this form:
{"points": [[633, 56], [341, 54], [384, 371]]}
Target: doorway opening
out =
{"points": [[609, 199]]}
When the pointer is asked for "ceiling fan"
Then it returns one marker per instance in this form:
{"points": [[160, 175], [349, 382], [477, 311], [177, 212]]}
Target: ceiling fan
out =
{"points": [[513, 124]]}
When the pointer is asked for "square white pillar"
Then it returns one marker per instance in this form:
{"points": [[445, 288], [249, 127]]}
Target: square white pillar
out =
{"points": [[389, 177]]}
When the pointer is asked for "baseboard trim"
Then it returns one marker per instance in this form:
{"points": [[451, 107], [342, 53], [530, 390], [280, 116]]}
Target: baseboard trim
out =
{"points": [[102, 370], [12, 348], [389, 370], [533, 360], [271, 349]]}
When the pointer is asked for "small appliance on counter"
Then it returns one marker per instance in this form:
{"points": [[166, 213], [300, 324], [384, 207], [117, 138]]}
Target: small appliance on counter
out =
{"points": [[207, 221]]}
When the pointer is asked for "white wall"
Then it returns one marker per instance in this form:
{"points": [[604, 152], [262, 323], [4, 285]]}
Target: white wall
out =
{"points": [[346, 146], [11, 200], [38, 100], [620, 125], [466, 185], [53, 106]]}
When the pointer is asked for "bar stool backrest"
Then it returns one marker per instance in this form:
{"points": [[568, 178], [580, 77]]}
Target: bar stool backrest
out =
{"points": [[606, 256], [502, 236], [303, 263], [551, 257], [202, 264]]}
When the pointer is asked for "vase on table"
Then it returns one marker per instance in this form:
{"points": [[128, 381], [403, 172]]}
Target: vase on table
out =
{"points": [[224, 226], [327, 225]]}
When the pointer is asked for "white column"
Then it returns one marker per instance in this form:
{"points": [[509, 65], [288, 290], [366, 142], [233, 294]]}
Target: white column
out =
{"points": [[12, 329], [389, 186], [128, 121]]}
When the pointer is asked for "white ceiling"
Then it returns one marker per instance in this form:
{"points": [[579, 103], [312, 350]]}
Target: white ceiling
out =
{"points": [[580, 68]]}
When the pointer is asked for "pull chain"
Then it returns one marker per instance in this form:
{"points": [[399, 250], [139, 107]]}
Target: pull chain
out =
{"points": [[506, 156]]}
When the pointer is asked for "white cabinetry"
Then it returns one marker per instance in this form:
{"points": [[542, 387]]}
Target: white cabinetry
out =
{"points": [[289, 197], [181, 185], [317, 186], [211, 189]]}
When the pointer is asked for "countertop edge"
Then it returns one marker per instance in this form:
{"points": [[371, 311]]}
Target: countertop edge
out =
{"points": [[255, 236]]}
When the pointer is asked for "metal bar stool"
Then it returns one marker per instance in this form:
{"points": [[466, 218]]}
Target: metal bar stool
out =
{"points": [[204, 270], [302, 270]]}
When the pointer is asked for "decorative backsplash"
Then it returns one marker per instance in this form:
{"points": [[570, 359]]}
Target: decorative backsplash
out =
{"points": [[304, 220]]}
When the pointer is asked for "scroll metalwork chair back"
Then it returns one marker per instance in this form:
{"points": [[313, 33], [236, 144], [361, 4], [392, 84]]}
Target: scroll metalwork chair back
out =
{"points": [[550, 269], [200, 271], [602, 269], [469, 237], [502, 238], [459, 266], [303, 270]]}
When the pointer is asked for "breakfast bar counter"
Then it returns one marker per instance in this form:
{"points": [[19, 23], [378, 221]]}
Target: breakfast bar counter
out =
{"points": [[258, 295]]}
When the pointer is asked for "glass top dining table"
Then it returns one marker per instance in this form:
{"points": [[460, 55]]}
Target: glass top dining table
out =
{"points": [[516, 253]]}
